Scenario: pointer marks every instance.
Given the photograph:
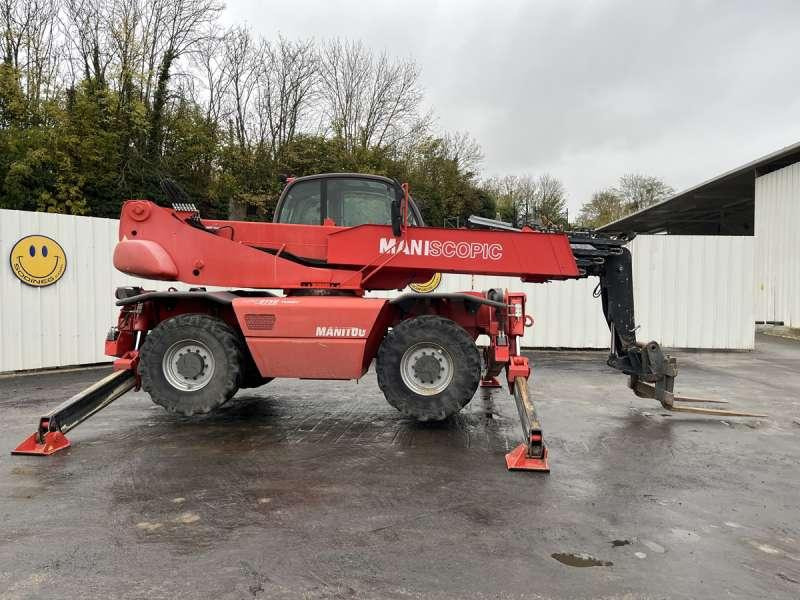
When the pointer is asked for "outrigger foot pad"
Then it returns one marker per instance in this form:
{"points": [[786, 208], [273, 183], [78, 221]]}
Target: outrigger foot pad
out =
{"points": [[36, 445], [518, 460]]}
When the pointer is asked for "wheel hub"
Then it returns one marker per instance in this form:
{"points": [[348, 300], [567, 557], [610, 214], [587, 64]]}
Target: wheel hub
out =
{"points": [[426, 368], [188, 365]]}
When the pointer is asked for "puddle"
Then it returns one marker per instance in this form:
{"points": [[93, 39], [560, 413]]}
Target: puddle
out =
{"points": [[580, 560]]}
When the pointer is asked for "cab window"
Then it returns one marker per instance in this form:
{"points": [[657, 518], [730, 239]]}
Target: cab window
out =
{"points": [[359, 201], [348, 201], [352, 202], [302, 204]]}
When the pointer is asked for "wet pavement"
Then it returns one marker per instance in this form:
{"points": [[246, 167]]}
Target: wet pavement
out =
{"points": [[304, 489]]}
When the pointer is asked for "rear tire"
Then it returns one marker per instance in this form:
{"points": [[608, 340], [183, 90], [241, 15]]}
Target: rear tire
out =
{"points": [[428, 367], [191, 364]]}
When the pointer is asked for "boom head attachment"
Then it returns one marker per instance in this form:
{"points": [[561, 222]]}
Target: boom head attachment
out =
{"points": [[656, 380], [651, 371]]}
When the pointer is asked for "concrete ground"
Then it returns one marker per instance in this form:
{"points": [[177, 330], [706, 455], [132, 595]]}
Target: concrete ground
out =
{"points": [[321, 490]]}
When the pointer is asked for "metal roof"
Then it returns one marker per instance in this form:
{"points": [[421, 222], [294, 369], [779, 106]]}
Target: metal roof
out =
{"points": [[723, 205]]}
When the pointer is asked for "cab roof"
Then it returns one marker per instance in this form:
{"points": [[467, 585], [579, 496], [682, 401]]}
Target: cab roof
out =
{"points": [[345, 175]]}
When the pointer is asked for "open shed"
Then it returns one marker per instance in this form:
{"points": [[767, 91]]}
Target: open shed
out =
{"points": [[760, 199]]}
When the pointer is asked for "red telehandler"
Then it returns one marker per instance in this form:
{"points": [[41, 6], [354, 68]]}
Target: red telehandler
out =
{"points": [[334, 237]]}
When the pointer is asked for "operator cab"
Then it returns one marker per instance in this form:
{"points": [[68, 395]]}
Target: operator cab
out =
{"points": [[345, 198]]}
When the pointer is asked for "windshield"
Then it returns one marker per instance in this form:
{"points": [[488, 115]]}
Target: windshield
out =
{"points": [[348, 201], [358, 201]]}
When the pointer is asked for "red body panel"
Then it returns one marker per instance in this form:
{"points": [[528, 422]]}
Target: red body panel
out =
{"points": [[145, 258], [276, 255], [313, 337]]}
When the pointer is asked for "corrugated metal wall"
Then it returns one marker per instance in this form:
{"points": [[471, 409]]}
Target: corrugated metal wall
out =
{"points": [[691, 291], [777, 246], [694, 291]]}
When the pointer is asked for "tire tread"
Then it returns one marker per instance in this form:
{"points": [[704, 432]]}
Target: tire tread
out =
{"points": [[218, 391], [465, 378]]}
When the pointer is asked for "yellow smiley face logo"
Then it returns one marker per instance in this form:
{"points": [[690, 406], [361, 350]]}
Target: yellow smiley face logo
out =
{"points": [[38, 260]]}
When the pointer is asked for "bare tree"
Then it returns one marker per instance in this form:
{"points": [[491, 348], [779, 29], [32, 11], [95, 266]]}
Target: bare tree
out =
{"points": [[86, 28], [551, 200], [515, 198], [31, 47], [464, 150], [525, 200], [243, 57], [640, 191], [214, 76], [370, 100], [182, 25], [288, 85]]}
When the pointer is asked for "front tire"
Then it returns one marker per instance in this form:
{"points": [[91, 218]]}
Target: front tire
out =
{"points": [[191, 364], [428, 367]]}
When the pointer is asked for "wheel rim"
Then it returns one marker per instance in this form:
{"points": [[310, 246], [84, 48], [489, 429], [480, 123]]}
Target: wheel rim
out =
{"points": [[188, 365], [426, 368]]}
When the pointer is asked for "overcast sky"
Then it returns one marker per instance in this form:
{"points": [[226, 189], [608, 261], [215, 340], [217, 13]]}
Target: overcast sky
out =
{"points": [[588, 90]]}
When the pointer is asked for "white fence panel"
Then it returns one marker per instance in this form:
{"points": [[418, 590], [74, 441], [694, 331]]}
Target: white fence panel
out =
{"points": [[565, 313], [690, 292], [64, 323]]}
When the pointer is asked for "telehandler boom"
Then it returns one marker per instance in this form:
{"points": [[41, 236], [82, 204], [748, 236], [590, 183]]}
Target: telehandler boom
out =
{"points": [[335, 237]]}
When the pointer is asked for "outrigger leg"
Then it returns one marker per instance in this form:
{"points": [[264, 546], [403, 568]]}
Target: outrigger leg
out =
{"points": [[531, 455], [50, 438]]}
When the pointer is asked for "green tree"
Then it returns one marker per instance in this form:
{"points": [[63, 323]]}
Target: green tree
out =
{"points": [[604, 207], [633, 192]]}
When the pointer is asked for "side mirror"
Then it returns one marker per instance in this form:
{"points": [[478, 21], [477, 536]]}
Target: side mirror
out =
{"points": [[397, 212]]}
